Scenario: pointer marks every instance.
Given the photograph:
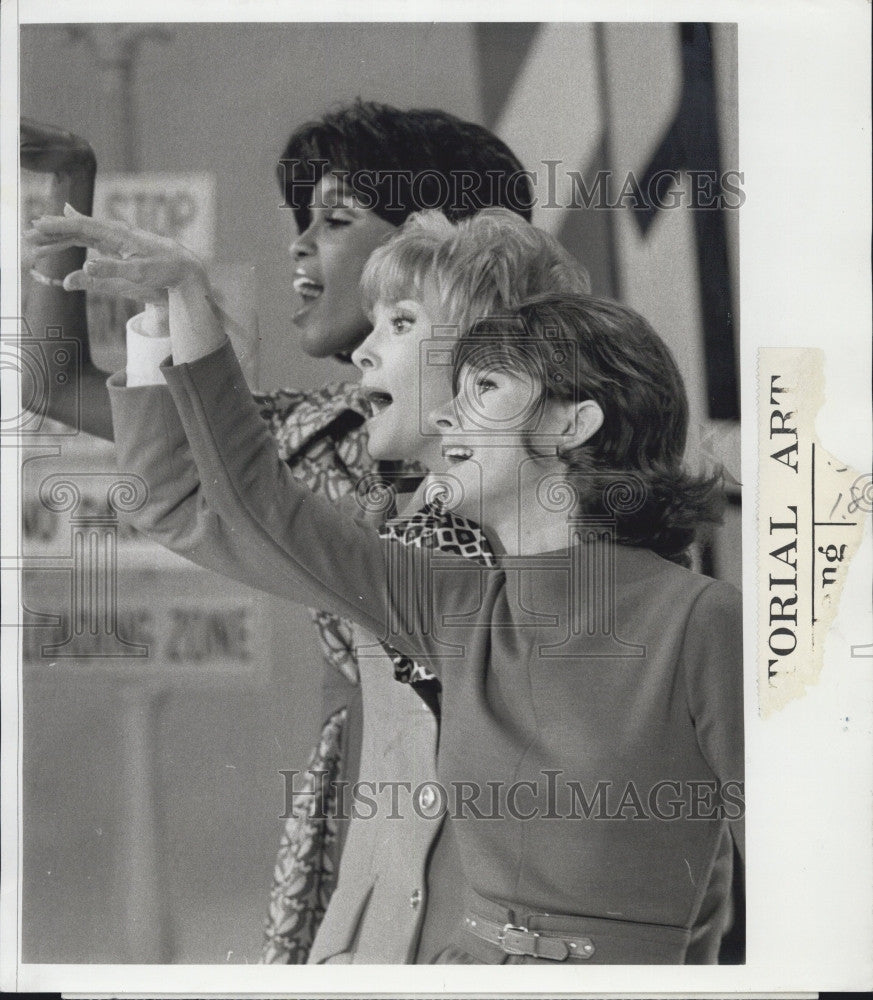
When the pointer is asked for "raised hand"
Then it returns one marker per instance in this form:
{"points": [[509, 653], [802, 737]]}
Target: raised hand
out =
{"points": [[136, 264], [132, 263]]}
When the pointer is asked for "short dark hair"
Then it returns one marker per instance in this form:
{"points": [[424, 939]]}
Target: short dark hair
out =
{"points": [[626, 368], [400, 162]]}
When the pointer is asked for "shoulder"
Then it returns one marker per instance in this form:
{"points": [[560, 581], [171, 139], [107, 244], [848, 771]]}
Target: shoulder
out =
{"points": [[704, 615], [662, 583], [712, 644], [703, 598], [717, 605]]}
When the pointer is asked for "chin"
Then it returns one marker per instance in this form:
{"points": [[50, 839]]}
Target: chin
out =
{"points": [[316, 346], [315, 342], [377, 449], [308, 338], [458, 497]]}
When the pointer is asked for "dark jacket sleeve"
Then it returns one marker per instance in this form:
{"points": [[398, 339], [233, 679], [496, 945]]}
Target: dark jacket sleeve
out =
{"points": [[219, 493], [151, 444], [712, 661]]}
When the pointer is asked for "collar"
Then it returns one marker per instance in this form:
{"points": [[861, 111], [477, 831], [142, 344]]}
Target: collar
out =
{"points": [[300, 417]]}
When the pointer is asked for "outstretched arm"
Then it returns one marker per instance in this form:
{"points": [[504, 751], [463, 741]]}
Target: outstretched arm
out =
{"points": [[152, 444], [264, 516], [216, 487]]}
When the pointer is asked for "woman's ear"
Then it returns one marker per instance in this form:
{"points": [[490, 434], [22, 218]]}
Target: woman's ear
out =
{"points": [[582, 422]]}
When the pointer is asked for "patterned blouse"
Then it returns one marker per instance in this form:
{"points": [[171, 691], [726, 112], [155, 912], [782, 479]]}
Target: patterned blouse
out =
{"points": [[320, 435]]}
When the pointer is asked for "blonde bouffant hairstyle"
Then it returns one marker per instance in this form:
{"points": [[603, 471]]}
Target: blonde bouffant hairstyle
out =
{"points": [[477, 267]]}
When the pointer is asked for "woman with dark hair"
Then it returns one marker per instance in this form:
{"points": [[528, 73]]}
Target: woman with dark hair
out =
{"points": [[391, 163], [350, 178], [619, 361]]}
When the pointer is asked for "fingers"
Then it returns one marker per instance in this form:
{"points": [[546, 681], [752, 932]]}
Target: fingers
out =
{"points": [[142, 278], [140, 260], [135, 271], [112, 287], [41, 246], [38, 247], [83, 231]]}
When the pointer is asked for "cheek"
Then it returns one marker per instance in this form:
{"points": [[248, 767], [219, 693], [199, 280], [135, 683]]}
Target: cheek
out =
{"points": [[342, 264], [435, 386], [343, 272]]}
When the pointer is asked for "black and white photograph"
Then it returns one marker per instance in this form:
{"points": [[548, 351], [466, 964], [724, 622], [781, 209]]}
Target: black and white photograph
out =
{"points": [[436, 515]]}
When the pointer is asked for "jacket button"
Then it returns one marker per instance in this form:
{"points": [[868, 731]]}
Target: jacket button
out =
{"points": [[427, 797], [415, 898]]}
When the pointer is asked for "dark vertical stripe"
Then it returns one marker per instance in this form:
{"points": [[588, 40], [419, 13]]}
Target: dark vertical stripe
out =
{"points": [[588, 233], [732, 950], [502, 50], [707, 557], [611, 244], [692, 143]]}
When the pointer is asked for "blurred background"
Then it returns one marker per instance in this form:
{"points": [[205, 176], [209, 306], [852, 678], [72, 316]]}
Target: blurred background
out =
{"points": [[152, 785]]}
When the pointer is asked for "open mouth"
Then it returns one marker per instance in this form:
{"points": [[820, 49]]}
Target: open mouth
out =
{"points": [[306, 288], [376, 401], [456, 453]]}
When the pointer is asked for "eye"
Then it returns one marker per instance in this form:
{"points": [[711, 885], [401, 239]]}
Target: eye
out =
{"points": [[334, 220], [401, 322], [483, 384]]}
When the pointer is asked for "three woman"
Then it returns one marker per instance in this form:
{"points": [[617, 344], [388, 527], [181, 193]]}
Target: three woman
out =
{"points": [[590, 685]]}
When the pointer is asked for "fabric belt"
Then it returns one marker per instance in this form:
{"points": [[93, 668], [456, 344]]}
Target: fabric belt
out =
{"points": [[491, 932], [515, 940]]}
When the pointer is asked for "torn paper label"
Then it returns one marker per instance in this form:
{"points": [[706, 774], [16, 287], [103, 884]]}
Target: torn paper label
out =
{"points": [[811, 510]]}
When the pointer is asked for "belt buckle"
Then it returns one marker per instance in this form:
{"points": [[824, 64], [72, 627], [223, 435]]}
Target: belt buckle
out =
{"points": [[509, 936]]}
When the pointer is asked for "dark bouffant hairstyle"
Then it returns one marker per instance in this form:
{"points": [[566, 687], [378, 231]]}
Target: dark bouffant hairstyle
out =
{"points": [[399, 162], [580, 347]]}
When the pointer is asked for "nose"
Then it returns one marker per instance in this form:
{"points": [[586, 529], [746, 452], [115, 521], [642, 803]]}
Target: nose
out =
{"points": [[303, 244], [366, 356], [444, 418]]}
